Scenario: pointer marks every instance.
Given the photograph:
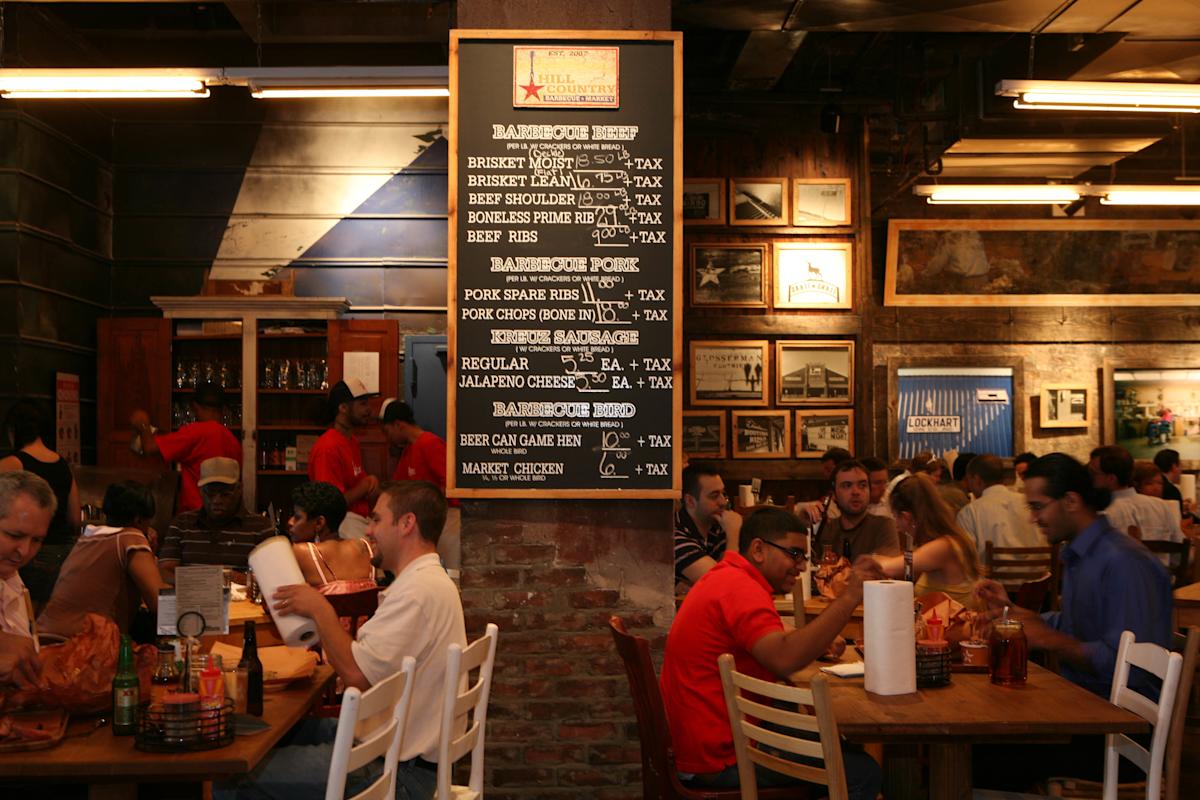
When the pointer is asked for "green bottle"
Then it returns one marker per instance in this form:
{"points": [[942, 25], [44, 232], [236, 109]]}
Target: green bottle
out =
{"points": [[125, 692]]}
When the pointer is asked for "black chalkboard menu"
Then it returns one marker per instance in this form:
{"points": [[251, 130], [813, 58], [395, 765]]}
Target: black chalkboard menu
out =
{"points": [[565, 265]]}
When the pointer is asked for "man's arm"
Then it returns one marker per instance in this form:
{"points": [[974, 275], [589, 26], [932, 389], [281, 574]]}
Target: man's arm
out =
{"points": [[695, 570], [305, 601], [140, 421], [366, 486], [19, 662]]}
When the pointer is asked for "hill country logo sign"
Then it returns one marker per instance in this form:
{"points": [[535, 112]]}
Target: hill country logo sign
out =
{"points": [[933, 425], [566, 77]]}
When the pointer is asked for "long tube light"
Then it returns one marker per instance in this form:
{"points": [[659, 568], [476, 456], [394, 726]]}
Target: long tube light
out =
{"points": [[1101, 96], [289, 91], [1149, 195], [997, 194], [40, 84]]}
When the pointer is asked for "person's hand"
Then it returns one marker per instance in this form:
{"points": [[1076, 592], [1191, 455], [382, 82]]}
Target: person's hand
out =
{"points": [[372, 484], [139, 419], [865, 569], [836, 648], [299, 598], [993, 595], [19, 662], [152, 538], [810, 512]]}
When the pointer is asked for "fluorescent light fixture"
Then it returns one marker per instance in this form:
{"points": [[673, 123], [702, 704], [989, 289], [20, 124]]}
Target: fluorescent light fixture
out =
{"points": [[1102, 96], [277, 91], [1148, 195], [85, 84], [298, 82], [997, 194]]}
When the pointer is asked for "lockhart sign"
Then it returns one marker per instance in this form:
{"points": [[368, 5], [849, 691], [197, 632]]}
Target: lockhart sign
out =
{"points": [[933, 425]]}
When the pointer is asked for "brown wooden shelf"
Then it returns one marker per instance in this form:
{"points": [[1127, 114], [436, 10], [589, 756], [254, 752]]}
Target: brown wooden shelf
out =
{"points": [[283, 473], [309, 335], [208, 337], [193, 391], [262, 391]]}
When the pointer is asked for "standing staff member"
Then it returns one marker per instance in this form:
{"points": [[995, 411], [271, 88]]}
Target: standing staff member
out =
{"points": [[337, 456], [194, 443]]}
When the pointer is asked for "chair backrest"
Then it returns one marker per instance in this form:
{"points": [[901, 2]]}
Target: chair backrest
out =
{"points": [[1015, 565], [1032, 594], [1166, 666], [653, 731], [481, 655], [743, 695], [1187, 645], [355, 606], [1179, 551], [383, 739]]}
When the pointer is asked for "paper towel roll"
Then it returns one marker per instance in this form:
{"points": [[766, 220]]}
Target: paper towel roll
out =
{"points": [[274, 564], [745, 495], [891, 657], [1187, 487]]}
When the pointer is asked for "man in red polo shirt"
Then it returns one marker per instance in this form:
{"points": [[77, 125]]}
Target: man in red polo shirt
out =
{"points": [[194, 443], [424, 455], [336, 457], [731, 610]]}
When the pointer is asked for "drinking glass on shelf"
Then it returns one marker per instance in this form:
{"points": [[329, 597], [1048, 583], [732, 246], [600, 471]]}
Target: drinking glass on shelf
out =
{"points": [[324, 370], [180, 375], [268, 376], [195, 374], [283, 374]]}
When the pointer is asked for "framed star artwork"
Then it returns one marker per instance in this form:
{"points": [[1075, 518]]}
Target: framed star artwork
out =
{"points": [[728, 275]]}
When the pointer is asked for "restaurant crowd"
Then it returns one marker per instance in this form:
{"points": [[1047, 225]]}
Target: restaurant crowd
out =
{"points": [[921, 518]]}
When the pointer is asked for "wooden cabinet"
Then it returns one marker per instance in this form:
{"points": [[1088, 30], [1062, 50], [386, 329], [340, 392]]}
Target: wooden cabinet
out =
{"points": [[277, 357]]}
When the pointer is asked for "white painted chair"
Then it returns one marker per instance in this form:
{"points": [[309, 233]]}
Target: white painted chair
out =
{"points": [[383, 738], [748, 736], [473, 700], [1165, 665]]}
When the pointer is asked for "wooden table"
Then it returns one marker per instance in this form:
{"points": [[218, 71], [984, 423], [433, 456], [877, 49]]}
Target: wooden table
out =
{"points": [[241, 612], [972, 710], [1187, 605], [814, 606], [113, 768]]}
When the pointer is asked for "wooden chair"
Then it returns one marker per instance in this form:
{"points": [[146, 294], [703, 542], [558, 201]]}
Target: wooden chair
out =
{"points": [[1181, 574], [355, 607], [1187, 645], [1032, 594], [1013, 566], [750, 737], [394, 694], [481, 655], [660, 779]]}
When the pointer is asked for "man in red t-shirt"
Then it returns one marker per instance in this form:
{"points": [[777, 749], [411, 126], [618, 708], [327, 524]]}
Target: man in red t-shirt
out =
{"points": [[731, 610], [424, 456], [194, 443], [336, 457]]}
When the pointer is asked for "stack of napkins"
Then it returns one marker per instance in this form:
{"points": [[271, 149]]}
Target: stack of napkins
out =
{"points": [[853, 669]]}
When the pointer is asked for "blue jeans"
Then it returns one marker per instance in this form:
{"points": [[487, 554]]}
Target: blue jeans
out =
{"points": [[864, 779], [299, 770]]}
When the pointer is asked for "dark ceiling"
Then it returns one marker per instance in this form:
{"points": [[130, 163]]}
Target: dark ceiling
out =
{"points": [[921, 73]]}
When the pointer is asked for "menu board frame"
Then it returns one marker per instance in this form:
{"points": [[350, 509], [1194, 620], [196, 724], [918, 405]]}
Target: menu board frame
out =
{"points": [[584, 38]]}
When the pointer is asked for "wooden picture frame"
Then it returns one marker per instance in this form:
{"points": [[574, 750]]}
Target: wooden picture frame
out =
{"points": [[812, 275], [1134, 394], [1043, 262], [727, 373], [762, 434], [728, 275], [812, 442], [1064, 405], [703, 201], [814, 373], [821, 202], [704, 434], [758, 201]]}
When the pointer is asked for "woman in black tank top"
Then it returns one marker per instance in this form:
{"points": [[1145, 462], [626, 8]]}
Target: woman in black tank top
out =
{"points": [[24, 427]]}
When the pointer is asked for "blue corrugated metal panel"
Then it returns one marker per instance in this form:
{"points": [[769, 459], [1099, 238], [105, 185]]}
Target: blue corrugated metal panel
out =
{"points": [[985, 427]]}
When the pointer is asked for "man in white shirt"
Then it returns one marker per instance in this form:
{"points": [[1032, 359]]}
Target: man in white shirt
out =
{"points": [[27, 505], [996, 515], [878, 480], [1111, 468], [420, 615]]}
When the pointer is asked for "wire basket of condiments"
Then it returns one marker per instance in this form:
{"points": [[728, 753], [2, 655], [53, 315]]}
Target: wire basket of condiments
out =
{"points": [[181, 722]]}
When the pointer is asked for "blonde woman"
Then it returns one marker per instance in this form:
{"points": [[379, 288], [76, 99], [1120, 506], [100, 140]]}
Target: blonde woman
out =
{"points": [[944, 556]]}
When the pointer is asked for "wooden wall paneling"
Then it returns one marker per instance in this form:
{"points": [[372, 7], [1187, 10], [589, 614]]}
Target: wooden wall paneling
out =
{"points": [[371, 336], [133, 371]]}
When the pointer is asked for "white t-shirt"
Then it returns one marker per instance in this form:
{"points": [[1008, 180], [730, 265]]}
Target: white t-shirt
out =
{"points": [[1001, 517], [419, 615], [1155, 517], [14, 616]]}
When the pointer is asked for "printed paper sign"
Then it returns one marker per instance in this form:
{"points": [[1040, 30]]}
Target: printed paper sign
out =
{"points": [[566, 77], [66, 416], [933, 425]]}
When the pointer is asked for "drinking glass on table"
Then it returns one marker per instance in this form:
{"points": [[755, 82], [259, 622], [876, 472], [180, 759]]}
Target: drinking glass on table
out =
{"points": [[1009, 652]]}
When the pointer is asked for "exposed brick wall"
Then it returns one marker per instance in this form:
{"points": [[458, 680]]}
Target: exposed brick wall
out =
{"points": [[550, 574]]}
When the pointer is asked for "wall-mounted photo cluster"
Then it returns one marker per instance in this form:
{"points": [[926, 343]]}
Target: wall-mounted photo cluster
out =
{"points": [[813, 275], [801, 202]]}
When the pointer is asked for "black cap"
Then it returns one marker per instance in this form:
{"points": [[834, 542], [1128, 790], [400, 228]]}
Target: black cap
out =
{"points": [[394, 410], [210, 394]]}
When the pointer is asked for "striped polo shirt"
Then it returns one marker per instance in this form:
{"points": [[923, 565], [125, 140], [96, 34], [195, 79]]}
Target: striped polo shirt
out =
{"points": [[193, 538]]}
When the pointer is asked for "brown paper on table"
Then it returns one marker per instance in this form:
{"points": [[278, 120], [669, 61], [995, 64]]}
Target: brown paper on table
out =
{"points": [[280, 663], [242, 610]]}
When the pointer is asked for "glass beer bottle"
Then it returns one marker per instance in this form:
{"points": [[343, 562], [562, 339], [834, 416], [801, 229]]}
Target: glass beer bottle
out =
{"points": [[125, 692], [250, 673]]}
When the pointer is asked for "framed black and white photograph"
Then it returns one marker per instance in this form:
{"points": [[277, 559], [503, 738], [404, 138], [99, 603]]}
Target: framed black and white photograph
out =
{"points": [[820, 201], [758, 201], [762, 434], [729, 373], [1064, 406], [814, 373], [729, 275], [813, 275], [704, 434], [703, 201], [817, 430]]}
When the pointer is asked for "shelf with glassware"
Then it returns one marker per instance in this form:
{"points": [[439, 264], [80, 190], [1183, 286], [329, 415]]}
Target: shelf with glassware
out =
{"points": [[204, 352]]}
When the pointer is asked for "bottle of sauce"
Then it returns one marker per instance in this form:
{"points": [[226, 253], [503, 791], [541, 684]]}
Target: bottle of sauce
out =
{"points": [[125, 692], [212, 698], [250, 673], [166, 677]]}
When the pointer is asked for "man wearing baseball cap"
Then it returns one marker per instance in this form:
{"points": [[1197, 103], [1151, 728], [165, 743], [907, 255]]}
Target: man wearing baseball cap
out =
{"points": [[221, 532], [337, 456], [424, 454], [192, 444]]}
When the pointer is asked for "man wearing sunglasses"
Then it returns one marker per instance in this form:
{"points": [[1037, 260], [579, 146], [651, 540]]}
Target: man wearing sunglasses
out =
{"points": [[731, 610]]}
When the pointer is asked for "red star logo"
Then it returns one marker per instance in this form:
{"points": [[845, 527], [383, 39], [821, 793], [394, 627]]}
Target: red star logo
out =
{"points": [[531, 89]]}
